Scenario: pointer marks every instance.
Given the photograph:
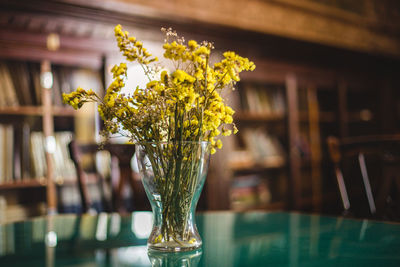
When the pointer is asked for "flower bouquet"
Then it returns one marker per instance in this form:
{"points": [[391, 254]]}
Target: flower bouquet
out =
{"points": [[175, 122]]}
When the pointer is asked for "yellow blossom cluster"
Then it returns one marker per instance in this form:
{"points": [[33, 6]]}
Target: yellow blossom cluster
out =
{"points": [[184, 104], [79, 97], [192, 52], [131, 48]]}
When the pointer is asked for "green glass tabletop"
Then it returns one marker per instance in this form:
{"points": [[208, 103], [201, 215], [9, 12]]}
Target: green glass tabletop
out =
{"points": [[229, 239]]}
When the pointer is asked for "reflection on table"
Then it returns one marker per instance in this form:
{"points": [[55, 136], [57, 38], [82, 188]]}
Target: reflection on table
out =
{"points": [[229, 239]]}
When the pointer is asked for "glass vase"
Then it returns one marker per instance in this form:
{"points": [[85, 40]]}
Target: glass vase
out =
{"points": [[173, 175], [167, 259]]}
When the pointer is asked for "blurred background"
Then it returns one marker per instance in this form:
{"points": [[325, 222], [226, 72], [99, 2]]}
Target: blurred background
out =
{"points": [[325, 68]]}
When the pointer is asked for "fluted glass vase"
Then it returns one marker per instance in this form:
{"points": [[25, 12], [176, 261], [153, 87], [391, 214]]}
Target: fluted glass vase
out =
{"points": [[181, 259], [173, 175]]}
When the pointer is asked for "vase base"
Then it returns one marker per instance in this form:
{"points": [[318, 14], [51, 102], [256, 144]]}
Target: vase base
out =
{"points": [[173, 247]]}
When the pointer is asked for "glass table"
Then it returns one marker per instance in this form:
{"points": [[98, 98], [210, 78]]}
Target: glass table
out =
{"points": [[229, 239]]}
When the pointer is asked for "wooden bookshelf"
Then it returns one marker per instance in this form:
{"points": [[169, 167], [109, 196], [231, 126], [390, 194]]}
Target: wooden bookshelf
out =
{"points": [[29, 106], [261, 155], [255, 168], [32, 131], [326, 107]]}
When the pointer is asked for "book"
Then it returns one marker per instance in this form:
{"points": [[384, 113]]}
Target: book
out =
{"points": [[249, 191], [2, 95], [17, 153], [64, 75], [26, 170], [9, 152], [265, 101], [58, 161], [262, 99], [21, 80], [34, 70], [65, 168], [278, 102], [265, 148], [9, 97], [38, 157], [6, 153], [2, 155], [56, 89], [252, 99], [243, 192]]}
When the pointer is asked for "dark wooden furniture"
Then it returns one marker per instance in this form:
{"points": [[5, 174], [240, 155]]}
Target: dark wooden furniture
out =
{"points": [[121, 175], [378, 161]]}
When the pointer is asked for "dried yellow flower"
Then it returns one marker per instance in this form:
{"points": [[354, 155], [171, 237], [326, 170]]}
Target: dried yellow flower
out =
{"points": [[183, 105]]}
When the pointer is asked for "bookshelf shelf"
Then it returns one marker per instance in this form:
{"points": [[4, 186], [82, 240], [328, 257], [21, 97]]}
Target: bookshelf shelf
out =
{"points": [[250, 116], [323, 116], [63, 111], [23, 184], [360, 116], [254, 167], [36, 111], [34, 182]]}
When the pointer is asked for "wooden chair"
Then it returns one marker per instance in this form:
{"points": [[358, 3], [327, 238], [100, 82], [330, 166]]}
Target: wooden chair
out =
{"points": [[385, 154], [121, 175]]}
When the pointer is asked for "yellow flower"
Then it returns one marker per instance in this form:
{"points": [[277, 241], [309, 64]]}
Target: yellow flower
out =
{"points": [[90, 92], [138, 44], [192, 44], [183, 105], [226, 132], [235, 130], [219, 143]]}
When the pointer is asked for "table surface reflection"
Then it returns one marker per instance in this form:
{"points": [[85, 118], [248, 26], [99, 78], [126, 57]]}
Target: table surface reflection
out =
{"points": [[229, 239]]}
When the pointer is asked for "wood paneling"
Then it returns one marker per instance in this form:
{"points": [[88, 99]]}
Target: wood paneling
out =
{"points": [[301, 20]]}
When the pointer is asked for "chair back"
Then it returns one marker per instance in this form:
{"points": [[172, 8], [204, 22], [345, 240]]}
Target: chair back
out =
{"points": [[121, 175], [377, 161]]}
